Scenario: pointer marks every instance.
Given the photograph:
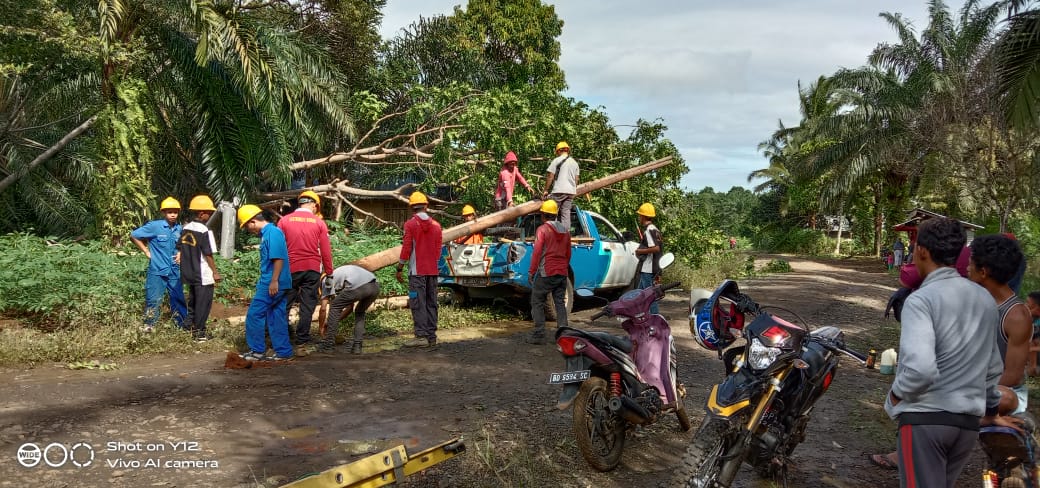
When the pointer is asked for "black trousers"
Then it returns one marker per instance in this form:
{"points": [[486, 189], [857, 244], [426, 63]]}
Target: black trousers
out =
{"points": [[200, 302], [305, 292]]}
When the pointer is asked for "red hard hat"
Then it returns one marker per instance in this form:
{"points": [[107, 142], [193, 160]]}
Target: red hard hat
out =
{"points": [[510, 157]]}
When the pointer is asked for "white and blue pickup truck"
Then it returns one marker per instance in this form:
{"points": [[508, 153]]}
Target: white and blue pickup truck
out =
{"points": [[602, 259]]}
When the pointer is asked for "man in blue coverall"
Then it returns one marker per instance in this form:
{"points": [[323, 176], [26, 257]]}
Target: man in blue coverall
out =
{"points": [[267, 309], [158, 240]]}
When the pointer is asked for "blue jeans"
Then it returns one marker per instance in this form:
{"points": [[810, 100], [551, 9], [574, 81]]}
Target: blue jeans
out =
{"points": [[268, 313], [155, 287], [646, 280]]}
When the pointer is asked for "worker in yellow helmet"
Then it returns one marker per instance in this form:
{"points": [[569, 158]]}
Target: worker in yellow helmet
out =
{"points": [[561, 182], [420, 250], [649, 251], [267, 310], [548, 274], [469, 214], [198, 269], [310, 256], [158, 241]]}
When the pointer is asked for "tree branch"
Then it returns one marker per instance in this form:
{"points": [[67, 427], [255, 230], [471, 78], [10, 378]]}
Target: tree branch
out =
{"points": [[49, 153]]}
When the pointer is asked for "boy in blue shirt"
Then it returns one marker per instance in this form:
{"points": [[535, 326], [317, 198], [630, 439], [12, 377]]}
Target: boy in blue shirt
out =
{"points": [[158, 240], [267, 310]]}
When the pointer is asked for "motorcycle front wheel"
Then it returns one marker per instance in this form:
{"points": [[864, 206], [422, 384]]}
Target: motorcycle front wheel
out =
{"points": [[704, 465], [600, 433]]}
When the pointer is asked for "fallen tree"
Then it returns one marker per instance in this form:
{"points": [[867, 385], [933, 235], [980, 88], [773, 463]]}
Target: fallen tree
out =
{"points": [[390, 256]]}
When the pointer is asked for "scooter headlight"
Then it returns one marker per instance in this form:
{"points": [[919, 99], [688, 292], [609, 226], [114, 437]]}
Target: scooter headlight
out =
{"points": [[761, 356]]}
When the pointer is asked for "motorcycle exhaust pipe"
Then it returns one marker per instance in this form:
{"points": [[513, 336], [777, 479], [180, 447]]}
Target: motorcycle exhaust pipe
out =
{"points": [[629, 410]]}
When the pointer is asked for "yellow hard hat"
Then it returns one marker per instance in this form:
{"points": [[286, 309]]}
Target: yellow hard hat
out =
{"points": [[647, 210], [201, 202], [310, 194], [417, 198], [170, 203], [563, 145], [246, 213], [468, 210], [550, 207]]}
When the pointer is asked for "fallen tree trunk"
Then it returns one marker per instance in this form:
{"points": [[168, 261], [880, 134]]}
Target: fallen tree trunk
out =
{"points": [[390, 256]]}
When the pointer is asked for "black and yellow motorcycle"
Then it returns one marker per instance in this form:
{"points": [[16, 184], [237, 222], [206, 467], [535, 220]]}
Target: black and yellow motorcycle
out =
{"points": [[759, 413]]}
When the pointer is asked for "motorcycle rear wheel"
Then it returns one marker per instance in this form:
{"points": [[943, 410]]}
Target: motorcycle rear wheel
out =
{"points": [[703, 465], [600, 433]]}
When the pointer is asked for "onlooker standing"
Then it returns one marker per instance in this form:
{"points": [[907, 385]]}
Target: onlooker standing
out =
{"points": [[732, 242], [198, 269], [649, 251], [470, 214], [994, 260], [421, 249], [550, 261], [561, 182], [309, 251], [158, 241], [267, 311], [949, 364], [350, 285], [507, 178], [1033, 304], [897, 252]]}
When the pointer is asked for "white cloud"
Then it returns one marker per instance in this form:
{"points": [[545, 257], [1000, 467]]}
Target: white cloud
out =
{"points": [[720, 74]]}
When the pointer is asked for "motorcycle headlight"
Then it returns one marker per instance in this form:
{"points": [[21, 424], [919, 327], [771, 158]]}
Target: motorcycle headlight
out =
{"points": [[760, 356]]}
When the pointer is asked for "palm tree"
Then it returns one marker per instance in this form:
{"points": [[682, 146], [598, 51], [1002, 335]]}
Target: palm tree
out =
{"points": [[199, 96]]}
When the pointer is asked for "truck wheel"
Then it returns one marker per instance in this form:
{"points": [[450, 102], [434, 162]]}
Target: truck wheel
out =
{"points": [[568, 299], [459, 297]]}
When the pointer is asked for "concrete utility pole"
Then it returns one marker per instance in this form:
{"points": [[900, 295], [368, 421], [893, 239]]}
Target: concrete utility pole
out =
{"points": [[227, 229], [390, 256]]}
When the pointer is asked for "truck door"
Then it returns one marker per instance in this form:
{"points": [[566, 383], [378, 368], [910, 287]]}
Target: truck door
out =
{"points": [[620, 261]]}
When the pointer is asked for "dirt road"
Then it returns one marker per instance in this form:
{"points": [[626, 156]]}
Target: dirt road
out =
{"points": [[187, 421]]}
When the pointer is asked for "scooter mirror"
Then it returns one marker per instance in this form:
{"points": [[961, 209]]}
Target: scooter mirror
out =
{"points": [[584, 292], [666, 260]]}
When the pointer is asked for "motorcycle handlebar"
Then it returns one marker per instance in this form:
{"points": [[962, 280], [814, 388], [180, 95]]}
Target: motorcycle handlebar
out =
{"points": [[669, 286], [858, 356]]}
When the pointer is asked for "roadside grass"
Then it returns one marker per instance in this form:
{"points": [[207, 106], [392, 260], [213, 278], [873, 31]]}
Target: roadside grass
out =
{"points": [[120, 336], [718, 266]]}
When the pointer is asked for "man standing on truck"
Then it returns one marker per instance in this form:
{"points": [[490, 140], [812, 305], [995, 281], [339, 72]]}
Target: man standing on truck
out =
{"points": [[561, 182], [649, 251], [550, 260], [507, 178], [421, 249]]}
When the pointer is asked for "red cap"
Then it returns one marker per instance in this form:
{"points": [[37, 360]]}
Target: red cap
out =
{"points": [[510, 157]]}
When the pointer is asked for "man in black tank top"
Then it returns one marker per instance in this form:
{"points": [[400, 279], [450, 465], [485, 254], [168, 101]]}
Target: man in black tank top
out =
{"points": [[994, 261]]}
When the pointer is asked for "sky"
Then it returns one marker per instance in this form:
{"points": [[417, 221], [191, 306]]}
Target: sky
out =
{"points": [[720, 75]]}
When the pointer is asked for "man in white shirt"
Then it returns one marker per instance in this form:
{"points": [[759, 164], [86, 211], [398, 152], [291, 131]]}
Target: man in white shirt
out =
{"points": [[649, 251], [561, 182]]}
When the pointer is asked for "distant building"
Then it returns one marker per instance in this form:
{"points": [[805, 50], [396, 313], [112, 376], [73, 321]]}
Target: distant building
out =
{"points": [[832, 224], [918, 215]]}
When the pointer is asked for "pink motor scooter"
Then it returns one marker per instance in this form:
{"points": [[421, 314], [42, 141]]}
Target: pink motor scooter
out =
{"points": [[615, 381]]}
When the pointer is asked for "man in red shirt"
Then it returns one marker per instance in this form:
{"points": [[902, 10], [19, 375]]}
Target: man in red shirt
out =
{"points": [[420, 250], [307, 237], [550, 262]]}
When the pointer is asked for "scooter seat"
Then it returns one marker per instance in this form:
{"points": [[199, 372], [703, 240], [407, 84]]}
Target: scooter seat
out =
{"points": [[622, 343]]}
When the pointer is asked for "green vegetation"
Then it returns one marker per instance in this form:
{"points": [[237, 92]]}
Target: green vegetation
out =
{"points": [[777, 266]]}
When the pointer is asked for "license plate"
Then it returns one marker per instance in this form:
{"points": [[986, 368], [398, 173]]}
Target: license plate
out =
{"points": [[568, 377], [472, 281]]}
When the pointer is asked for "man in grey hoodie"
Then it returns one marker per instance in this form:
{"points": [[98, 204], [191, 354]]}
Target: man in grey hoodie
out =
{"points": [[946, 380]]}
